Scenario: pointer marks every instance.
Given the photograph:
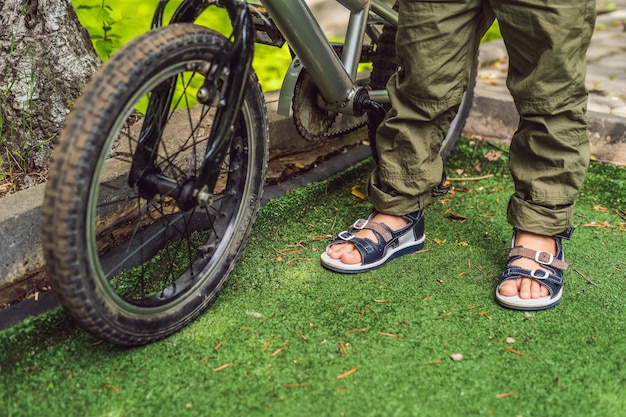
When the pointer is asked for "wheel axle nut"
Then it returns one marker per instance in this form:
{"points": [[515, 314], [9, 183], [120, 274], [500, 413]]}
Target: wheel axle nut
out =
{"points": [[205, 198]]}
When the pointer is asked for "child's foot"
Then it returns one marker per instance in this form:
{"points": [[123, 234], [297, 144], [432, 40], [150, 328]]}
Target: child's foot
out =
{"points": [[375, 241], [533, 277], [348, 253], [528, 287]]}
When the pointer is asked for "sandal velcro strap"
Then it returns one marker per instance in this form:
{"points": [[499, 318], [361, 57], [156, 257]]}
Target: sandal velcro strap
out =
{"points": [[552, 281], [544, 258], [381, 229]]}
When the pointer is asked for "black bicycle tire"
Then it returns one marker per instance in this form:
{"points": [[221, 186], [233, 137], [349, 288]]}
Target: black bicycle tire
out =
{"points": [[384, 65], [65, 233]]}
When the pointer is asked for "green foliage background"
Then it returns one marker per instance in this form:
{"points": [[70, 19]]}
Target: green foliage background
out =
{"points": [[112, 23]]}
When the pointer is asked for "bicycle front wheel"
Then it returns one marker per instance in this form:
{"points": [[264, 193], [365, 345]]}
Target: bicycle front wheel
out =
{"points": [[131, 266]]}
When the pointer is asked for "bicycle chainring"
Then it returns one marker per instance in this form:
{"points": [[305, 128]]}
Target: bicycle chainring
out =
{"points": [[311, 119]]}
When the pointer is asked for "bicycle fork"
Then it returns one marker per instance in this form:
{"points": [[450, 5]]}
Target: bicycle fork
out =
{"points": [[225, 81]]}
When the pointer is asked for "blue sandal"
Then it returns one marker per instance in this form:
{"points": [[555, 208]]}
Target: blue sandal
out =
{"points": [[552, 280], [390, 245]]}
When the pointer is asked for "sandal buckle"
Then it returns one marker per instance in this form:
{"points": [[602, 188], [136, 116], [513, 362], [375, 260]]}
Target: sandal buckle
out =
{"points": [[360, 224], [540, 257], [345, 235], [543, 275]]}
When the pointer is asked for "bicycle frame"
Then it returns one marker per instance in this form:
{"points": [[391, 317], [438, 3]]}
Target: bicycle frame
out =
{"points": [[334, 77]]}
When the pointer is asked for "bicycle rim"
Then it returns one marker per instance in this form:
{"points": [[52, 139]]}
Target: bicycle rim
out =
{"points": [[149, 265]]}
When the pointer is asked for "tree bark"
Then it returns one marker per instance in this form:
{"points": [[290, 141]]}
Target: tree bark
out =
{"points": [[46, 57]]}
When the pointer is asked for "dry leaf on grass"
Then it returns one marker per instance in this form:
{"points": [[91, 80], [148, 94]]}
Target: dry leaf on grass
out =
{"points": [[597, 225], [355, 192], [510, 349], [482, 177], [493, 155], [506, 394], [277, 351], [318, 238], [300, 385], [347, 373], [455, 216], [112, 388], [443, 316], [221, 368], [356, 331]]}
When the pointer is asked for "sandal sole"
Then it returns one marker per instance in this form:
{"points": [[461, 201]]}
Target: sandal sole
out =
{"points": [[530, 304], [338, 266]]}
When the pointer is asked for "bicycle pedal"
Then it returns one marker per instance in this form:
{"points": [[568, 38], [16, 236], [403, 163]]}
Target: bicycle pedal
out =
{"points": [[443, 187]]}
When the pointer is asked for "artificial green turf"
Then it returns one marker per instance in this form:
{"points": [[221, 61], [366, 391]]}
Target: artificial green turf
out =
{"points": [[287, 329]]}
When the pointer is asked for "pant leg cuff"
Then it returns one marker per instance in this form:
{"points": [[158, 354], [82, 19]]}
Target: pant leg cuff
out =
{"points": [[530, 217]]}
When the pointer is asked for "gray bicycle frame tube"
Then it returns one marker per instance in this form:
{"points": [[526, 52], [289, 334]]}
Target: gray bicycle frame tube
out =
{"points": [[334, 77]]}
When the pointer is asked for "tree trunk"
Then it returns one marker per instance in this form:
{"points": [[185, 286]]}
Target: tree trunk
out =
{"points": [[46, 57]]}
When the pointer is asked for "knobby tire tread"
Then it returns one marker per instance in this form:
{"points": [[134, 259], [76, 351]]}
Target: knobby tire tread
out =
{"points": [[62, 224]]}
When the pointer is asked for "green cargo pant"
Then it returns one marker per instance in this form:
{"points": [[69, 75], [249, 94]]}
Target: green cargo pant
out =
{"points": [[437, 42]]}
